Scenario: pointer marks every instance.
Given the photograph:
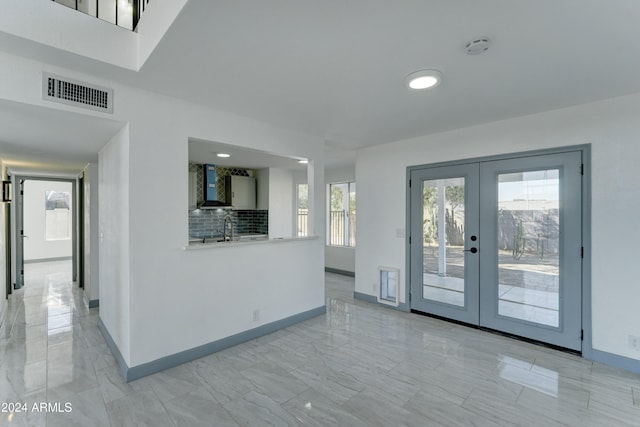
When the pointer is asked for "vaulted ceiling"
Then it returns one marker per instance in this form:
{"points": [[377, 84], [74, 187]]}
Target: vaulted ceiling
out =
{"points": [[337, 68]]}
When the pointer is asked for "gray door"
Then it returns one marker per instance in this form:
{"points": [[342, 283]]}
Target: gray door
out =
{"points": [[522, 218], [444, 237], [20, 235], [531, 262]]}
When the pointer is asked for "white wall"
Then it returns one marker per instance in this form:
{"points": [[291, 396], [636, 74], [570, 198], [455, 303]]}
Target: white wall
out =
{"points": [[36, 246], [611, 126], [114, 240], [262, 184], [338, 257], [91, 233], [63, 28], [224, 285], [281, 192]]}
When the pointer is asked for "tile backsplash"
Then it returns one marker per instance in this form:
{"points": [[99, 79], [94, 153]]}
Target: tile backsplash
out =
{"points": [[207, 223]]}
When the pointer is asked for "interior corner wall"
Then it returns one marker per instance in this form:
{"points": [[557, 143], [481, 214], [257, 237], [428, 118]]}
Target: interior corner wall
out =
{"points": [[114, 238], [611, 127], [91, 233], [340, 257], [36, 246]]}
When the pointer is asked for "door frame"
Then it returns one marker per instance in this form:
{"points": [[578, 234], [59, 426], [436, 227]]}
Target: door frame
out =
{"points": [[16, 177], [585, 150]]}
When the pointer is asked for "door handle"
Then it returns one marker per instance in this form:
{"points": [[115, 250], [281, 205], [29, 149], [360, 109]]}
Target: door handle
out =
{"points": [[472, 250]]}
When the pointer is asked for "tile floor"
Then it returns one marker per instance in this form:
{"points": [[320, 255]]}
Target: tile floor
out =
{"points": [[360, 365]]}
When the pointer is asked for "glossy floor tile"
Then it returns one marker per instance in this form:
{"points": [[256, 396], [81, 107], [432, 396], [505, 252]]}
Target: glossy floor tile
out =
{"points": [[359, 365]]}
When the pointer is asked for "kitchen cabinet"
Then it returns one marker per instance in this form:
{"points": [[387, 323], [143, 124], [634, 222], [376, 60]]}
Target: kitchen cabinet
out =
{"points": [[240, 192]]}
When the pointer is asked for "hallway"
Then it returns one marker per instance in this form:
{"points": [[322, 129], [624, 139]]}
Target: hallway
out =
{"points": [[360, 365]]}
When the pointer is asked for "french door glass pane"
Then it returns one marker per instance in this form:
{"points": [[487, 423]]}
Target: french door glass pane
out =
{"points": [[529, 246], [443, 240]]}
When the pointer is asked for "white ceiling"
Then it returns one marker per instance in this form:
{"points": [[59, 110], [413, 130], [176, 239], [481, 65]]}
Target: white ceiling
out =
{"points": [[336, 68], [201, 151], [41, 139]]}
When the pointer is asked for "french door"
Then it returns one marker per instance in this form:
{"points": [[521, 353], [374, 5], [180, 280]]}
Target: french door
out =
{"points": [[498, 244]]}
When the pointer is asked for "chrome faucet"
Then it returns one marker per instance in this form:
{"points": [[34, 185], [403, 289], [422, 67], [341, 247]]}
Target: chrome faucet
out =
{"points": [[228, 219]]}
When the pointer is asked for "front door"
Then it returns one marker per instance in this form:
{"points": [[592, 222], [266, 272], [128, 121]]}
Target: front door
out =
{"points": [[498, 244]]}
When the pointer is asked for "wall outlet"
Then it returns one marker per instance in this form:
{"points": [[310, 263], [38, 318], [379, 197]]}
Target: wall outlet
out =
{"points": [[256, 315], [634, 342], [400, 233]]}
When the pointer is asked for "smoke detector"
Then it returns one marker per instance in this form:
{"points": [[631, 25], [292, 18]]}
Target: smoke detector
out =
{"points": [[477, 46]]}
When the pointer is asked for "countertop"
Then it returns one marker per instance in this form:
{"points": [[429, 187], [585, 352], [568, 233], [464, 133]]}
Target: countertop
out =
{"points": [[215, 244]]}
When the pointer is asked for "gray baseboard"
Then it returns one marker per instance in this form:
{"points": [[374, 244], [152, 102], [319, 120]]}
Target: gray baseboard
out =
{"points": [[94, 303], [33, 261], [365, 297], [114, 348], [338, 271], [374, 300], [177, 359], [632, 365]]}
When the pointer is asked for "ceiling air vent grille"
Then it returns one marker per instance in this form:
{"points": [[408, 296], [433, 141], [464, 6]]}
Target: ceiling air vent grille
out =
{"points": [[79, 94]]}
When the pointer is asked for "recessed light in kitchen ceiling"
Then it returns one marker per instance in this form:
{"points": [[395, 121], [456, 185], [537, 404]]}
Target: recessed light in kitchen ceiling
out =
{"points": [[225, 155], [303, 161], [424, 79]]}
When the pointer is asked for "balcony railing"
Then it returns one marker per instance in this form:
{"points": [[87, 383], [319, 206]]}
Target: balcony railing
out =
{"points": [[123, 13], [342, 228], [303, 225]]}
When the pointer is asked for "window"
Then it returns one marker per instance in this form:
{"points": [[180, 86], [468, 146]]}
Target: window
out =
{"points": [[303, 209], [57, 215], [342, 214]]}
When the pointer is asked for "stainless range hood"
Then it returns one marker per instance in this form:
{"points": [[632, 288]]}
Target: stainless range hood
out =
{"points": [[210, 186]]}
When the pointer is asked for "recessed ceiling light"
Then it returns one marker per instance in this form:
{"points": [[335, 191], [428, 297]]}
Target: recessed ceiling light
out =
{"points": [[223, 155], [303, 161], [424, 79]]}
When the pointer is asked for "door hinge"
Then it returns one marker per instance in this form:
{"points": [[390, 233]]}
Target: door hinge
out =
{"points": [[582, 169], [582, 335], [409, 239], [409, 296], [582, 252], [409, 183]]}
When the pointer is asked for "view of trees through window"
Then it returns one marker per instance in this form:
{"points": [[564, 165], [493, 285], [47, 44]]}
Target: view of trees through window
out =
{"points": [[342, 214]]}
